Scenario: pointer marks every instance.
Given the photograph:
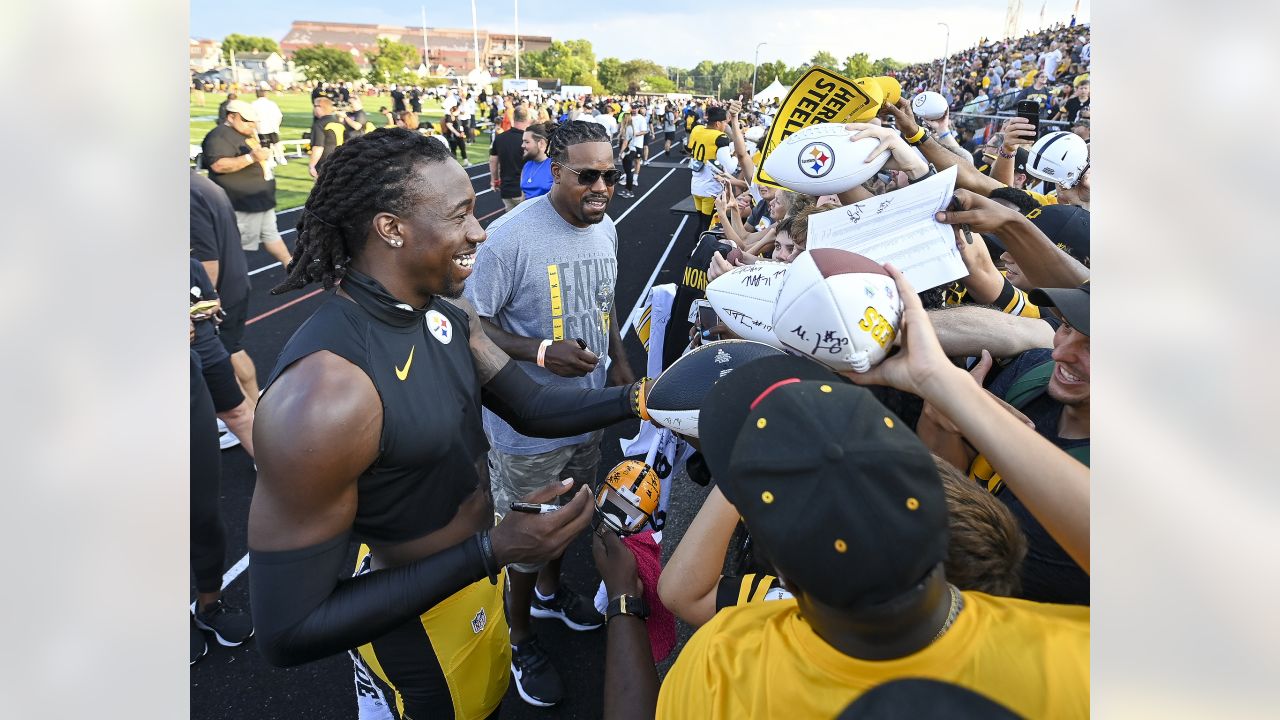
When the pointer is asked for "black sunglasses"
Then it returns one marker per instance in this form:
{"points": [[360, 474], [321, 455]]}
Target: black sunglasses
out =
{"points": [[589, 176]]}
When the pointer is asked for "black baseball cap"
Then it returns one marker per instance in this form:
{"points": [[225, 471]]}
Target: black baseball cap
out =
{"points": [[924, 699], [837, 491], [1072, 303], [1066, 226]]}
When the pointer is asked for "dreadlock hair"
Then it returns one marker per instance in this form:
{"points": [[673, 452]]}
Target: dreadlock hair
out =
{"points": [[364, 176], [573, 133], [1020, 198]]}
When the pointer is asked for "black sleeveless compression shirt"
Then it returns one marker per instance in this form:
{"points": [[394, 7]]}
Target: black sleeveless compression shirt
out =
{"points": [[421, 365]]}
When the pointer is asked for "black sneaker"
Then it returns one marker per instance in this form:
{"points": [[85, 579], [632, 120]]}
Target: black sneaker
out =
{"points": [[230, 625], [536, 678], [575, 610], [199, 648]]}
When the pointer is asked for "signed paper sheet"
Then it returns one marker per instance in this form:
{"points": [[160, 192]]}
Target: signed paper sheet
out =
{"points": [[898, 228]]}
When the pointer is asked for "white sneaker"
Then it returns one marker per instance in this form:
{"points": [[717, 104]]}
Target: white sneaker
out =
{"points": [[228, 439]]}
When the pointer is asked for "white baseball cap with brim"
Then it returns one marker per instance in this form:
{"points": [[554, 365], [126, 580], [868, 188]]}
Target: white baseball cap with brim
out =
{"points": [[243, 109]]}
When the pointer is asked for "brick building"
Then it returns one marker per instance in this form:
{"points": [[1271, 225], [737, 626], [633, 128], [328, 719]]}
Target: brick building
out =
{"points": [[448, 47]]}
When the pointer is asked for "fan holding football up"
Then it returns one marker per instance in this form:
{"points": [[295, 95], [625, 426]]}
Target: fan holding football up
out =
{"points": [[838, 308], [835, 158]]}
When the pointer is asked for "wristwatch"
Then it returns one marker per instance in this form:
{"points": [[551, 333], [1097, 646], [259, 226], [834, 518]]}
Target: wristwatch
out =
{"points": [[932, 171], [627, 605]]}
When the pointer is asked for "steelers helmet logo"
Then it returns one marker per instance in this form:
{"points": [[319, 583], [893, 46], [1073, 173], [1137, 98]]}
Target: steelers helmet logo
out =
{"points": [[439, 326], [816, 159]]}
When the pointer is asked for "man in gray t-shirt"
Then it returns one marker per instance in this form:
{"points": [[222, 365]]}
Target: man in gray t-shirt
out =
{"points": [[543, 286]]}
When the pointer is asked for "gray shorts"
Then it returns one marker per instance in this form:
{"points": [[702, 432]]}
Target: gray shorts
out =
{"points": [[512, 477], [510, 203], [257, 228]]}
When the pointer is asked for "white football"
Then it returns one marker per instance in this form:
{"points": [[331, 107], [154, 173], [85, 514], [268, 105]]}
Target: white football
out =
{"points": [[820, 160], [929, 105], [744, 298], [839, 308], [727, 160]]}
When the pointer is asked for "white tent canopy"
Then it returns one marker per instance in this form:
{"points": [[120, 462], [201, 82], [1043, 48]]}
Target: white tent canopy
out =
{"points": [[775, 91]]}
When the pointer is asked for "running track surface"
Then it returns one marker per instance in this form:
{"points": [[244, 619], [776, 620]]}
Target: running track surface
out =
{"points": [[237, 683]]}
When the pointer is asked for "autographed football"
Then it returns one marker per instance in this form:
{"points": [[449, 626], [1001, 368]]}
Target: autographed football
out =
{"points": [[676, 396], [929, 105], [743, 298], [820, 160], [839, 308]]}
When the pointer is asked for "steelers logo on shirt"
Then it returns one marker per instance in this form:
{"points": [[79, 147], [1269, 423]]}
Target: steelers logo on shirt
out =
{"points": [[816, 159], [439, 326]]}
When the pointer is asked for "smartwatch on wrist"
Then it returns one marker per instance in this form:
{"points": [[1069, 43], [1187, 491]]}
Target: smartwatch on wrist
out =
{"points": [[633, 605]]}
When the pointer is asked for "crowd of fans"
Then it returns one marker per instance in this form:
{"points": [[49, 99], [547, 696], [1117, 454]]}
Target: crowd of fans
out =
{"points": [[924, 525]]}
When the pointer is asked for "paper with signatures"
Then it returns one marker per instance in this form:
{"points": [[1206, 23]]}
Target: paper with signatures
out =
{"points": [[899, 228]]}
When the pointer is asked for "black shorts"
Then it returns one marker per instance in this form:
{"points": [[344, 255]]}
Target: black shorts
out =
{"points": [[671, 135], [231, 331], [269, 139], [221, 379]]}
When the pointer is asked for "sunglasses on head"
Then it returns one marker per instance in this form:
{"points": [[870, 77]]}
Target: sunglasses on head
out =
{"points": [[589, 176]]}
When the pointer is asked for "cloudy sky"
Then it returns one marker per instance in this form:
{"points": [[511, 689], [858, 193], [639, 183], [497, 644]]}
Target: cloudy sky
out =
{"points": [[671, 32]]}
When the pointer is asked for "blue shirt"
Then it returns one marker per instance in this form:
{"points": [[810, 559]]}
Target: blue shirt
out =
{"points": [[535, 178]]}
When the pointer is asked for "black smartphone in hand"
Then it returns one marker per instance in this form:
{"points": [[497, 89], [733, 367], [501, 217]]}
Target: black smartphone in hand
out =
{"points": [[1029, 110]]}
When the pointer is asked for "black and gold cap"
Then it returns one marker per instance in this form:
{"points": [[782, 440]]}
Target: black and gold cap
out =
{"points": [[838, 492]]}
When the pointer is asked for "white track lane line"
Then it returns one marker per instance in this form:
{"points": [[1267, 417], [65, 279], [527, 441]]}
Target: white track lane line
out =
{"points": [[234, 571], [649, 283]]}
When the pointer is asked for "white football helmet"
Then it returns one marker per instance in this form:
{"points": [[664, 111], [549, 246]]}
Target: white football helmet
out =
{"points": [[1060, 157]]}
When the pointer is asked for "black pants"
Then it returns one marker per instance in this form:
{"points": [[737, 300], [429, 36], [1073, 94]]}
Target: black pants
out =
{"points": [[458, 146], [628, 165], [208, 537]]}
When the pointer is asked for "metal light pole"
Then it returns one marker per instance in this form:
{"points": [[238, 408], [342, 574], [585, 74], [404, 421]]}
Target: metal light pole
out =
{"points": [[517, 39], [426, 51], [945, 49], [475, 36], [755, 66]]}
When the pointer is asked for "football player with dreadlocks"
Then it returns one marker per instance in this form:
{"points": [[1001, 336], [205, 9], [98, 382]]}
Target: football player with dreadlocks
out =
{"points": [[369, 429]]}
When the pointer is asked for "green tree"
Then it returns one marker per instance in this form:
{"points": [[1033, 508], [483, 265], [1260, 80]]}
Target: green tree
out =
{"points": [[858, 65], [704, 77], [325, 63], [657, 83], [609, 73], [573, 62], [884, 66], [822, 58], [633, 71], [393, 62], [238, 43]]}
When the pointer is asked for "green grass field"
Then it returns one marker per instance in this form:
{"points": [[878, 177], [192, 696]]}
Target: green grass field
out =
{"points": [[293, 182]]}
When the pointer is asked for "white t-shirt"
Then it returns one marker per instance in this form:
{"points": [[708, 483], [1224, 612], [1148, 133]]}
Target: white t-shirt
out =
{"points": [[466, 109], [640, 126], [1049, 63], [269, 116], [610, 124]]}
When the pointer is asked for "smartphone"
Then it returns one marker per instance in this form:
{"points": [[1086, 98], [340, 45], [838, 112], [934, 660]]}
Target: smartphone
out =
{"points": [[1029, 110]]}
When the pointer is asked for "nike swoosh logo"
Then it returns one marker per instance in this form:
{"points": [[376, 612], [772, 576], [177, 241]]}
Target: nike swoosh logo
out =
{"points": [[402, 374]]}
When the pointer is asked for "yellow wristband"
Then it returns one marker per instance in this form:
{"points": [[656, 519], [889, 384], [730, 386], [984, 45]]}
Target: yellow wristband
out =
{"points": [[915, 138], [640, 400]]}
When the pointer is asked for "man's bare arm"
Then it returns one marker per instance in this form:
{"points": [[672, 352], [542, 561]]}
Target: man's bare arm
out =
{"points": [[966, 331]]}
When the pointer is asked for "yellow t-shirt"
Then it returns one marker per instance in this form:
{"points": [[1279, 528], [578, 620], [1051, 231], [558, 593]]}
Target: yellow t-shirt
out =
{"points": [[761, 660]]}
